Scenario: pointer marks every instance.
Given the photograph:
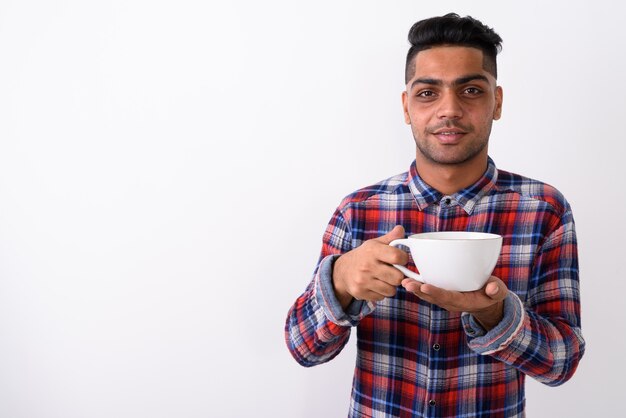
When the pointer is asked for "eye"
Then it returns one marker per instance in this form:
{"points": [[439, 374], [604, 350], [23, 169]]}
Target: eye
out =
{"points": [[425, 94], [472, 91]]}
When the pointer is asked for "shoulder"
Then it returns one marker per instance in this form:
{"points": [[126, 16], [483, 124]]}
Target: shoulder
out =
{"points": [[529, 188], [385, 190]]}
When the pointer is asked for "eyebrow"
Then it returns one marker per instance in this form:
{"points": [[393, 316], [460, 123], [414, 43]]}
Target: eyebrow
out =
{"points": [[457, 82]]}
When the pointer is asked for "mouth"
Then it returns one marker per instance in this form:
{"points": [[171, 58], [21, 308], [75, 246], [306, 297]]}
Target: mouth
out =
{"points": [[449, 135]]}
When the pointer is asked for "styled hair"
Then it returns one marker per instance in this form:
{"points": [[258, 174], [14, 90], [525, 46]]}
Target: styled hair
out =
{"points": [[453, 30]]}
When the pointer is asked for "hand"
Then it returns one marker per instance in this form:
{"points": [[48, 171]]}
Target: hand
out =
{"points": [[366, 273], [485, 304]]}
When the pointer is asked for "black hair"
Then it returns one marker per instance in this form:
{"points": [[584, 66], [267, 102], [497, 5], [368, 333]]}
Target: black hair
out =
{"points": [[453, 30]]}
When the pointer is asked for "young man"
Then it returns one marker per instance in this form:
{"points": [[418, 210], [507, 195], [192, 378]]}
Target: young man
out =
{"points": [[422, 350]]}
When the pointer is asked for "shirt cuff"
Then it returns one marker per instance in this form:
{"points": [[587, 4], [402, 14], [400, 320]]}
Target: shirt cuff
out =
{"points": [[488, 342], [325, 297]]}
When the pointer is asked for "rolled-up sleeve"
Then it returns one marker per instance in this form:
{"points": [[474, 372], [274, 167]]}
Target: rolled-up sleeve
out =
{"points": [[542, 336], [317, 328]]}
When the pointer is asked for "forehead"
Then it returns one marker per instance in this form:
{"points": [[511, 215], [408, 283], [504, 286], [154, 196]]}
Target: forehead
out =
{"points": [[449, 62]]}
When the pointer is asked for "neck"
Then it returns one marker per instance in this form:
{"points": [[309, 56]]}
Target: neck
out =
{"points": [[450, 178]]}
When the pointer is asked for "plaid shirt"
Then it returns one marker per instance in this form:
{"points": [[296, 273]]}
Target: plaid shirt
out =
{"points": [[418, 360]]}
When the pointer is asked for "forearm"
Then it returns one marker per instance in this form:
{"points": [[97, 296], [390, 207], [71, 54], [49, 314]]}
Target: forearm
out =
{"points": [[319, 322], [317, 326], [544, 338], [545, 348], [548, 349], [311, 338]]}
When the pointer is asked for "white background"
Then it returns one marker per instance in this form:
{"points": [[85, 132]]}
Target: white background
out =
{"points": [[167, 169]]}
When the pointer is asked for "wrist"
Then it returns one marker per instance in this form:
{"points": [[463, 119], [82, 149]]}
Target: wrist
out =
{"points": [[341, 293], [490, 317]]}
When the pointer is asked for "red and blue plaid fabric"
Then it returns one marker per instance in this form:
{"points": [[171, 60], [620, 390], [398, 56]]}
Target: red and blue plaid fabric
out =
{"points": [[415, 359]]}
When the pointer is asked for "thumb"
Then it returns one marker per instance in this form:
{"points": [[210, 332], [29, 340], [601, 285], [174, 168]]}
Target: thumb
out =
{"points": [[496, 289], [396, 233]]}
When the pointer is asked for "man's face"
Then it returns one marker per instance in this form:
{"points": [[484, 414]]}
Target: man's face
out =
{"points": [[450, 103]]}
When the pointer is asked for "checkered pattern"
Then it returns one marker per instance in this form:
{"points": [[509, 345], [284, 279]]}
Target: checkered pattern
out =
{"points": [[417, 360]]}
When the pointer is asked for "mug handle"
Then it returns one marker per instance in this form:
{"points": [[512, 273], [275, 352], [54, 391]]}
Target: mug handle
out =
{"points": [[403, 269]]}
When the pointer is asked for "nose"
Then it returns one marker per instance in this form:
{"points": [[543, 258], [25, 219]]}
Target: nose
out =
{"points": [[449, 106]]}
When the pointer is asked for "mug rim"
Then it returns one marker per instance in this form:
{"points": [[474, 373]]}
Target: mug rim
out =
{"points": [[455, 235]]}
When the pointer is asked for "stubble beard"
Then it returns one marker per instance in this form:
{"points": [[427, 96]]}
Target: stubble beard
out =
{"points": [[451, 154]]}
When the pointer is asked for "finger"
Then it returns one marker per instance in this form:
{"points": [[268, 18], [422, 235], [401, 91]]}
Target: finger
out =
{"points": [[412, 285], [396, 233], [462, 301], [441, 296], [374, 295], [389, 274], [383, 288], [392, 255], [415, 287], [363, 287], [453, 300], [496, 289]]}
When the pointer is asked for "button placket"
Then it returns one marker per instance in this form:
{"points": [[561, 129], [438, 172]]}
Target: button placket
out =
{"points": [[446, 211]]}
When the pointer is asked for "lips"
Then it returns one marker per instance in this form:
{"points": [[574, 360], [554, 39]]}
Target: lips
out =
{"points": [[449, 136], [449, 131]]}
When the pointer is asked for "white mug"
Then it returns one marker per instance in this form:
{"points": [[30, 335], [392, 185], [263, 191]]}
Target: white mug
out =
{"points": [[452, 260]]}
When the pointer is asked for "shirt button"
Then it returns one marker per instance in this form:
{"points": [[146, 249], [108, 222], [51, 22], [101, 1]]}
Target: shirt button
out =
{"points": [[436, 347], [432, 402]]}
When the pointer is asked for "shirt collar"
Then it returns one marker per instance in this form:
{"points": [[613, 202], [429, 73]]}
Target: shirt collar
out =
{"points": [[467, 198]]}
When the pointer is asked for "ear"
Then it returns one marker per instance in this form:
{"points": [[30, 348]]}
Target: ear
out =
{"points": [[405, 107], [497, 111]]}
